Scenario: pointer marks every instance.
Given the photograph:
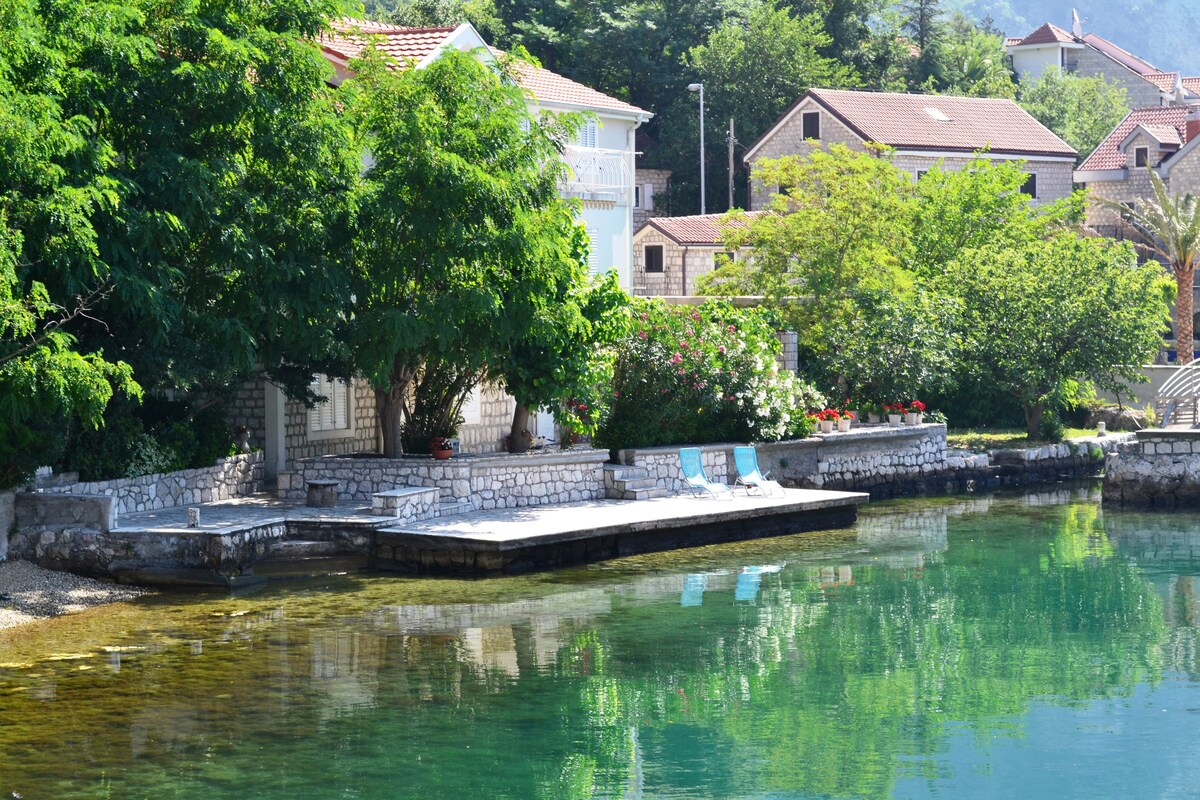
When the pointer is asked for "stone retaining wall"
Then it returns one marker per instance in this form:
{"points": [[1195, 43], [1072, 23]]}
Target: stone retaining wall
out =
{"points": [[1160, 469], [236, 476], [662, 464], [7, 520], [484, 481]]}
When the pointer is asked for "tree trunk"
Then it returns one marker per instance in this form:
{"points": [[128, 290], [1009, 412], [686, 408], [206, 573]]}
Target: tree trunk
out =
{"points": [[1183, 316], [389, 407], [518, 435], [1033, 419]]}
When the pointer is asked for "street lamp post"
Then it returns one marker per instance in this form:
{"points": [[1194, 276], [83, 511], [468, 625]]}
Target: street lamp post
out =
{"points": [[699, 87]]}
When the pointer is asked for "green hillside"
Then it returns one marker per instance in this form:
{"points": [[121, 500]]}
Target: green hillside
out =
{"points": [[1161, 31]]}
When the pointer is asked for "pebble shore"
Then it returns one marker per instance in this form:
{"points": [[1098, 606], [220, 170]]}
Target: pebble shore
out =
{"points": [[29, 593]]}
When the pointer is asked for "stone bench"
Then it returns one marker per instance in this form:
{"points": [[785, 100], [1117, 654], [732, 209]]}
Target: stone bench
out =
{"points": [[321, 493], [409, 502]]}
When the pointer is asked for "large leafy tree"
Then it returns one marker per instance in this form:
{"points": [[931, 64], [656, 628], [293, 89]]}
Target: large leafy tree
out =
{"points": [[1169, 227], [54, 187], [1081, 110], [461, 233], [1039, 317], [842, 224], [975, 62]]}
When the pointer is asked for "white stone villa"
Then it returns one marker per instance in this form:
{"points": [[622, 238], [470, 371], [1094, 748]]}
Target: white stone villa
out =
{"points": [[601, 176], [1089, 55], [922, 131]]}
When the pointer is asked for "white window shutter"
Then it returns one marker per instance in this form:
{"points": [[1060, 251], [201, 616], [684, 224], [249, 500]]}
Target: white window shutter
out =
{"points": [[593, 257], [588, 134], [340, 401], [648, 196]]}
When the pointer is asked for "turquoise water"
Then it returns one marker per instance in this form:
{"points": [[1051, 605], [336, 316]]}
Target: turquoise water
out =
{"points": [[1028, 646]]}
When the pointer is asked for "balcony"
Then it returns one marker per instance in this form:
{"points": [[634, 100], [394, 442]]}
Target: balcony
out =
{"points": [[597, 174]]}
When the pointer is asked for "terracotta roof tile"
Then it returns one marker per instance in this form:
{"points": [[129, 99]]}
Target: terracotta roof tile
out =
{"points": [[696, 230], [1010, 41], [1164, 134], [1048, 34], [350, 36], [550, 87], [1192, 84], [942, 122], [1108, 154], [1165, 81]]}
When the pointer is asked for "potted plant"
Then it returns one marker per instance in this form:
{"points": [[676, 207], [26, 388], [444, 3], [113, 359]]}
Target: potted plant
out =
{"points": [[827, 418], [844, 420], [895, 413], [440, 448], [869, 410], [915, 413]]}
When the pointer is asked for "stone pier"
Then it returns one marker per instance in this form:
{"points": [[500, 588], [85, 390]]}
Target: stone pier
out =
{"points": [[1159, 470]]}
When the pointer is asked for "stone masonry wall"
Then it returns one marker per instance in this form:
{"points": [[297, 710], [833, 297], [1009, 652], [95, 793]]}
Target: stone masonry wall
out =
{"points": [[495, 422], [236, 476], [362, 437], [662, 464], [248, 408], [484, 482], [1161, 469], [1054, 178], [660, 179], [1089, 62], [789, 141]]}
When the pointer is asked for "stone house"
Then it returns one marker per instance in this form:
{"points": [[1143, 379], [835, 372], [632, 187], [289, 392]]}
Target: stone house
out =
{"points": [[601, 177], [670, 253], [1089, 55], [1162, 139], [649, 195], [921, 131]]}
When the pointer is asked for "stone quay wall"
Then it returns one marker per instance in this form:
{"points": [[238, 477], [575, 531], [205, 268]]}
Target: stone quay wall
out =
{"points": [[886, 461], [483, 482], [1160, 469], [236, 476]]}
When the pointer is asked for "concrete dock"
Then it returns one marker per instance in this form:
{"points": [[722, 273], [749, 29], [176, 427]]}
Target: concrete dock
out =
{"points": [[251, 539], [544, 537]]}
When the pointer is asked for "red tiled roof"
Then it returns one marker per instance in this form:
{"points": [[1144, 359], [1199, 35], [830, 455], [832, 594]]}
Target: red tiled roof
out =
{"points": [[550, 87], [1048, 34], [1164, 134], [350, 36], [1192, 84], [1108, 154], [696, 230], [1010, 41], [1139, 65], [1165, 81], [910, 121]]}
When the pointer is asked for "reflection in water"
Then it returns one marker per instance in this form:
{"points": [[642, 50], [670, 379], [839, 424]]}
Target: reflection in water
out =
{"points": [[935, 643]]}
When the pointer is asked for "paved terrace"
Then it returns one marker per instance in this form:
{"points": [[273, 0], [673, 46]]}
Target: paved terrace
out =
{"points": [[477, 543]]}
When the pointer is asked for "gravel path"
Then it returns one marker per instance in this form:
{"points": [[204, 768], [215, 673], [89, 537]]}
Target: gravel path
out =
{"points": [[28, 592]]}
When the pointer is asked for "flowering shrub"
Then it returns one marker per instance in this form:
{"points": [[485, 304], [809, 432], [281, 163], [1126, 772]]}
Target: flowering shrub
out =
{"points": [[702, 374]]}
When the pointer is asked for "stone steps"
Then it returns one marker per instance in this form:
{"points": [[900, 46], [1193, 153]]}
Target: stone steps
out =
{"points": [[451, 507], [623, 482]]}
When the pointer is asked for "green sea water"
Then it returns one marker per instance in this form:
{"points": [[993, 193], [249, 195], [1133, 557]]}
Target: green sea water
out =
{"points": [[1027, 646]]}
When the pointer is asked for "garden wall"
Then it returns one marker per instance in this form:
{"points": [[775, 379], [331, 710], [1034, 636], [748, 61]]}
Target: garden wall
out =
{"points": [[7, 519], [483, 482], [236, 476]]}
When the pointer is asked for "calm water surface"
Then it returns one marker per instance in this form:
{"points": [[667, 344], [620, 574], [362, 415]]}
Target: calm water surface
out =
{"points": [[1025, 646]]}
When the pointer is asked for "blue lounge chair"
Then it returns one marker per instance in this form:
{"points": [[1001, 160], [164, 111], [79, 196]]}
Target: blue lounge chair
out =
{"points": [[694, 477], [749, 474]]}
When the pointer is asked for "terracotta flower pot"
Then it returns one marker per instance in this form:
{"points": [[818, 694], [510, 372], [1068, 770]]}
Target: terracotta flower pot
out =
{"points": [[442, 455]]}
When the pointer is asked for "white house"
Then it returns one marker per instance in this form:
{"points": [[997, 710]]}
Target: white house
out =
{"points": [[601, 176]]}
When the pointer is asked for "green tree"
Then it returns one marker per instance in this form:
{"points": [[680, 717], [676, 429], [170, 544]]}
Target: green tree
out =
{"points": [[980, 204], [1039, 317], [842, 224], [1081, 111], [976, 63], [460, 230], [924, 23], [1170, 230]]}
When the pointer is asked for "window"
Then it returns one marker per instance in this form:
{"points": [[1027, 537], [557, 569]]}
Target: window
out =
{"points": [[333, 415], [721, 259], [472, 408], [637, 197], [1141, 156], [593, 256], [1030, 186], [654, 258], [921, 173], [811, 124], [588, 134]]}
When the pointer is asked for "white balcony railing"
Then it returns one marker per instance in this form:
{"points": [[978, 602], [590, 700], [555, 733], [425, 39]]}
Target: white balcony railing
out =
{"points": [[596, 173]]}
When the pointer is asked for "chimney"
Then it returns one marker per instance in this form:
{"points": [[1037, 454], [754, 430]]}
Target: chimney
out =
{"points": [[1192, 126]]}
